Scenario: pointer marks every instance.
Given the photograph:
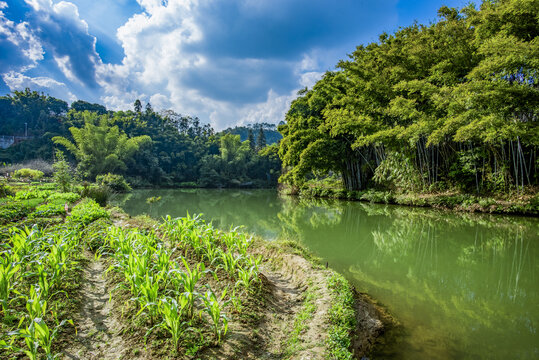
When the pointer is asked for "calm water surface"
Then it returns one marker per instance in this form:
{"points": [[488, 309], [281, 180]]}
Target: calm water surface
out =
{"points": [[463, 286]]}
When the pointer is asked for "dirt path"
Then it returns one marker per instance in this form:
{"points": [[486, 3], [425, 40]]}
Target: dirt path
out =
{"points": [[283, 305], [97, 331]]}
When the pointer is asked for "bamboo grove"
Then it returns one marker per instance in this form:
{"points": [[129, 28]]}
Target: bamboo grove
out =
{"points": [[449, 105]]}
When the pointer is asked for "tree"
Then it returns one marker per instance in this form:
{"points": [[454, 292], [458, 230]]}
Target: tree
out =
{"points": [[80, 105], [99, 147], [261, 139], [137, 106], [457, 100], [62, 172], [251, 139]]}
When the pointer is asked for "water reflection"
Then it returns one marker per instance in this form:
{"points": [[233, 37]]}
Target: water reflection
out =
{"points": [[463, 285]]}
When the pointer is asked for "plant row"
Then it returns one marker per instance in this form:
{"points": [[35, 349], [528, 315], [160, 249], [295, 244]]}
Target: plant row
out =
{"points": [[183, 276]]}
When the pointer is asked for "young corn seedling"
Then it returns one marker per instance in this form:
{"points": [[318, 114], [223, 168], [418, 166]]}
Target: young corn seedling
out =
{"points": [[162, 261], [189, 279], [35, 306], [8, 272], [149, 292], [171, 310], [39, 335], [214, 308], [247, 277], [43, 281], [230, 262]]}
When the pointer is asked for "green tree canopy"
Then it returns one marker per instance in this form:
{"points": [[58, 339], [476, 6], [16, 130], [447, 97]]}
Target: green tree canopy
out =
{"points": [[100, 147]]}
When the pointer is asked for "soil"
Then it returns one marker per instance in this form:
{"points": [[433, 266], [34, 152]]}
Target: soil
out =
{"points": [[285, 279], [98, 332]]}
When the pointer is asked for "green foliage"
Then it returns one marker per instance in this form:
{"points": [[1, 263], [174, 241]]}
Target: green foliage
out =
{"points": [[396, 172], [115, 182], [6, 190], [28, 174], [47, 210], [62, 172], [342, 318], [33, 193], [86, 212], [99, 146], [455, 101], [14, 210], [98, 193], [68, 197]]}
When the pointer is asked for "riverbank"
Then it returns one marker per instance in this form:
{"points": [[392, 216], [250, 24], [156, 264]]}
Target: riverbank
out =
{"points": [[522, 204], [249, 298]]}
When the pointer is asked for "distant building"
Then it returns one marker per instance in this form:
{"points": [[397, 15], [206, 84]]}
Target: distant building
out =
{"points": [[6, 140]]}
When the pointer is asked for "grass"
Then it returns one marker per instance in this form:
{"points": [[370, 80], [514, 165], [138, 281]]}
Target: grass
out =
{"points": [[308, 308], [508, 204], [342, 319]]}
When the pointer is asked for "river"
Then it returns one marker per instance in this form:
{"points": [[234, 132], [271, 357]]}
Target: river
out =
{"points": [[462, 286]]}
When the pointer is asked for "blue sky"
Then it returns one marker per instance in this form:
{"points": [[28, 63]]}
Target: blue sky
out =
{"points": [[228, 62]]}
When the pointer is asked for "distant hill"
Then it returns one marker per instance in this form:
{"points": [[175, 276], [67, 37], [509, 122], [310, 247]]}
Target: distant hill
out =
{"points": [[270, 131]]}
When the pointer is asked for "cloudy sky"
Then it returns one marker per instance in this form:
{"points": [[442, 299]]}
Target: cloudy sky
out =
{"points": [[226, 61]]}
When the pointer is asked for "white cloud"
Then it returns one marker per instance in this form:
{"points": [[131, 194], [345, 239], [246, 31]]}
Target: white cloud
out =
{"points": [[162, 65], [18, 81], [22, 49]]}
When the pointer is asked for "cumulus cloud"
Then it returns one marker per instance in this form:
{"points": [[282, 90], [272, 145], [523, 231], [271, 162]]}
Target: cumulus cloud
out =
{"points": [[230, 61], [65, 35], [55, 88], [227, 62], [21, 49]]}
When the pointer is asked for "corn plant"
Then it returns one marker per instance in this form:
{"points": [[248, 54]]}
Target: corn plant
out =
{"points": [[247, 277], [8, 272], [189, 279], [149, 293], [35, 305], [39, 335], [230, 262], [162, 261], [43, 281], [214, 306], [57, 258], [172, 311]]}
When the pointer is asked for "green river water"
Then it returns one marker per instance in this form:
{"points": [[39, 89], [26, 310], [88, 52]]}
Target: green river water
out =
{"points": [[462, 286]]}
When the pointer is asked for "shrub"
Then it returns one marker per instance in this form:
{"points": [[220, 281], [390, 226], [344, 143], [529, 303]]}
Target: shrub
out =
{"points": [[99, 193], [62, 172], [47, 210], [36, 164], [6, 190], [66, 197], [87, 211], [29, 174], [114, 182]]}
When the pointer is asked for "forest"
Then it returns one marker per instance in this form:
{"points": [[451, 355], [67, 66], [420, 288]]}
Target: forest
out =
{"points": [[449, 106], [148, 148]]}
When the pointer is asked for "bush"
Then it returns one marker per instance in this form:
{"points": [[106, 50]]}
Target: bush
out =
{"points": [[6, 190], [62, 172], [47, 210], [115, 182], [99, 193], [29, 174], [87, 211], [65, 197], [36, 164]]}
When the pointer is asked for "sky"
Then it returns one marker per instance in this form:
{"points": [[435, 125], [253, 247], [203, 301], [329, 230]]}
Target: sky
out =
{"points": [[229, 62]]}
